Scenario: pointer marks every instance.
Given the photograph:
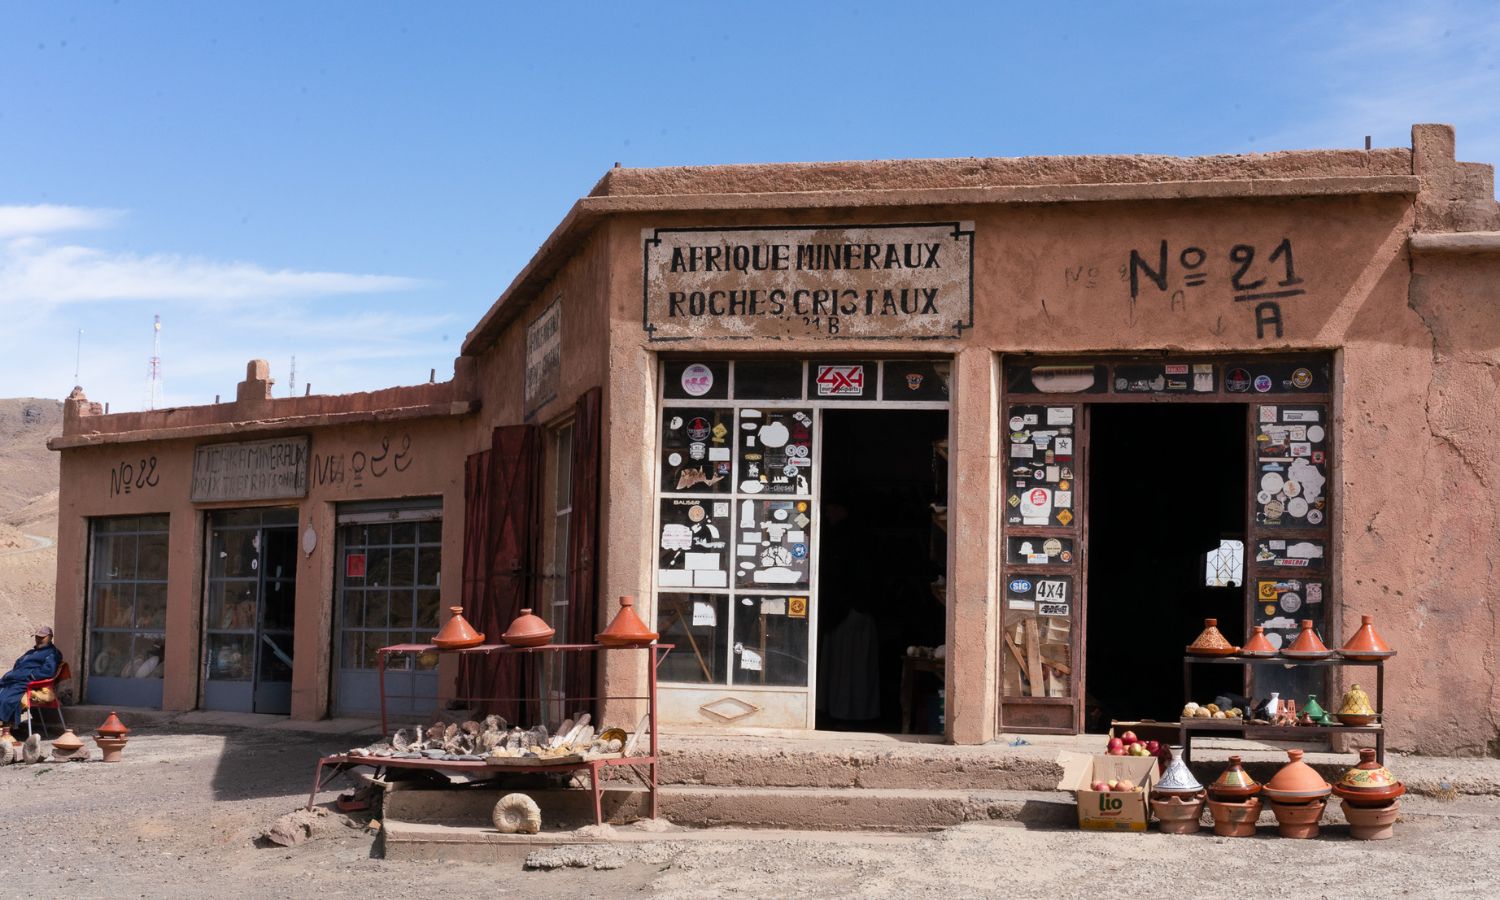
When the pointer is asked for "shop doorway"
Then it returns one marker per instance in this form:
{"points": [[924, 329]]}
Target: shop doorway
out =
{"points": [[881, 569], [250, 610], [1166, 535]]}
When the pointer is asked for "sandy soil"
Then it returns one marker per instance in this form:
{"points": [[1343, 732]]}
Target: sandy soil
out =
{"points": [[180, 816], [28, 520]]}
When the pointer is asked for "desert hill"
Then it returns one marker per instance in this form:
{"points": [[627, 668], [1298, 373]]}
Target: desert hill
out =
{"points": [[28, 520]]}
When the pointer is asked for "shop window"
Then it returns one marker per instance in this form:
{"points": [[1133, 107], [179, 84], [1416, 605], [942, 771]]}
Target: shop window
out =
{"points": [[390, 590], [555, 575], [127, 609], [1225, 566]]}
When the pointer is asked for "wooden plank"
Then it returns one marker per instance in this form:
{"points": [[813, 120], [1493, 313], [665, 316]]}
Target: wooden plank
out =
{"points": [[1034, 659]]}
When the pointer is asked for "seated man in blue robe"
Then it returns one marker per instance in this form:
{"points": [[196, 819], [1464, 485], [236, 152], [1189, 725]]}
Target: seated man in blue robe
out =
{"points": [[42, 661]]}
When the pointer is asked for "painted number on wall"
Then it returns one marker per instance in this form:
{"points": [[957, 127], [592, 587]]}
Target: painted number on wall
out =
{"points": [[137, 476]]}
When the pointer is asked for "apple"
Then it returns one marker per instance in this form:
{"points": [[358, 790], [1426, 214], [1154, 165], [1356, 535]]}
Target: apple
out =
{"points": [[1099, 786], [1125, 784], [1154, 747], [1129, 737], [1116, 751], [1116, 744], [1114, 784]]}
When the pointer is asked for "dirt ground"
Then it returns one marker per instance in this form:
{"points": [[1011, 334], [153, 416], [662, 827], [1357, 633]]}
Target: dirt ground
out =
{"points": [[179, 817]]}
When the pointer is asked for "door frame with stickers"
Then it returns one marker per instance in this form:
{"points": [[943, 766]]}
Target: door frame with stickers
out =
{"points": [[736, 526], [1289, 572]]}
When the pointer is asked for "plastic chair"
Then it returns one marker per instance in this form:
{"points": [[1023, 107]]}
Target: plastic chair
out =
{"points": [[32, 705]]}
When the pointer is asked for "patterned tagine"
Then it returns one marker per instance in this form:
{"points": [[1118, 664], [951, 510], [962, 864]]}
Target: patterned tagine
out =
{"points": [[1211, 642], [1366, 645], [1356, 708], [1368, 783], [1307, 645], [1296, 782], [528, 630], [1234, 783], [1259, 644], [457, 633], [627, 629], [1177, 780]]}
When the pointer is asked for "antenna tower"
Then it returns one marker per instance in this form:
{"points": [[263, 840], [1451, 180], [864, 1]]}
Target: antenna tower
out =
{"points": [[154, 394], [291, 383]]}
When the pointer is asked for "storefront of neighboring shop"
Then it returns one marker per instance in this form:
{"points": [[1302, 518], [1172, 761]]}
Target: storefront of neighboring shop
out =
{"points": [[975, 446]]}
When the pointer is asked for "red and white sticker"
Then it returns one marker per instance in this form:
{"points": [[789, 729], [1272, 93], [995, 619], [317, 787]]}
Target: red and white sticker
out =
{"points": [[841, 381]]}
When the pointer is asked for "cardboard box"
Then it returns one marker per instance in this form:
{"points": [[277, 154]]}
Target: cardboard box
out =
{"points": [[1108, 810]]}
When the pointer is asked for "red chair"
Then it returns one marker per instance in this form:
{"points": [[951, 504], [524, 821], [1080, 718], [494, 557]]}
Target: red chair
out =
{"points": [[32, 704]]}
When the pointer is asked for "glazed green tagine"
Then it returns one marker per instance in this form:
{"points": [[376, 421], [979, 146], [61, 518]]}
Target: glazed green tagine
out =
{"points": [[1313, 711]]}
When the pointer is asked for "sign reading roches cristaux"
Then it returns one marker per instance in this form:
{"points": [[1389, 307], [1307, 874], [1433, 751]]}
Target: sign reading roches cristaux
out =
{"points": [[859, 281], [255, 470]]}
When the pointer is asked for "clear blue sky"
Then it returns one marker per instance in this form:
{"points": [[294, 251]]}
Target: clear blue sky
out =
{"points": [[354, 183]]}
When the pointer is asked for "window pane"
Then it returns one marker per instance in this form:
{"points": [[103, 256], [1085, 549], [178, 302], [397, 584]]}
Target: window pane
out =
{"points": [[111, 654], [430, 532], [231, 605], [696, 623], [919, 379], [770, 640], [695, 380], [781, 549], [696, 446], [403, 567], [354, 608], [279, 606], [275, 650], [767, 380], [404, 533], [152, 558], [1037, 650], [563, 496], [428, 602], [377, 534], [151, 606], [113, 605], [378, 567], [114, 557], [377, 605], [230, 656], [403, 609], [237, 555], [429, 565], [351, 650], [776, 451]]}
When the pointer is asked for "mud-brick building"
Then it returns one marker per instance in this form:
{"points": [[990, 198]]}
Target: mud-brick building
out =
{"points": [[960, 446]]}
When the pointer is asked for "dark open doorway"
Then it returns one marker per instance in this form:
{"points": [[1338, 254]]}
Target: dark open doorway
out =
{"points": [[1168, 487], [882, 550]]}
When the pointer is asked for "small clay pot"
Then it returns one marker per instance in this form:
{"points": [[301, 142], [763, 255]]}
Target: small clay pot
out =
{"points": [[528, 630], [1298, 820], [1296, 782], [1178, 814], [110, 747], [1365, 644], [627, 629], [1235, 819], [1234, 784], [113, 727], [1368, 784], [1372, 823], [66, 743], [457, 633]]}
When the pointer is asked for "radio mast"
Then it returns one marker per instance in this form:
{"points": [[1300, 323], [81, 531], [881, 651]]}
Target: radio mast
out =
{"points": [[155, 396]]}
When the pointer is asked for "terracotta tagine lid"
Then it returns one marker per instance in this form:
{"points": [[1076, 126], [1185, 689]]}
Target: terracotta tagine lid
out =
{"points": [[1177, 780], [1234, 783], [1307, 645], [1296, 782], [1258, 645], [457, 633], [528, 630], [627, 629], [113, 727], [1366, 643], [67, 742], [1211, 642], [1356, 708], [1368, 783]]}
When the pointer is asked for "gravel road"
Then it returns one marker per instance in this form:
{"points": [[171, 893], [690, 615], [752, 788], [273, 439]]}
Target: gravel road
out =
{"points": [[180, 816]]}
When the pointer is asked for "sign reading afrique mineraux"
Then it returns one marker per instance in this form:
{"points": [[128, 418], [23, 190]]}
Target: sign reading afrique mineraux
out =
{"points": [[855, 281], [255, 470]]}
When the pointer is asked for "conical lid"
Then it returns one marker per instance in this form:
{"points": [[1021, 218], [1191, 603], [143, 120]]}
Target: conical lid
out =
{"points": [[1312, 708], [1296, 781], [1211, 641], [1369, 779], [1178, 779], [67, 741], [1356, 703], [1234, 783], [528, 630], [1258, 642], [113, 727], [1307, 641], [626, 628], [457, 632], [1366, 640]]}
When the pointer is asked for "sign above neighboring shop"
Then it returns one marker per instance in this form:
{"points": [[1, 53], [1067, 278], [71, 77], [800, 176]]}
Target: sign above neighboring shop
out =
{"points": [[819, 281], [543, 356], [255, 470]]}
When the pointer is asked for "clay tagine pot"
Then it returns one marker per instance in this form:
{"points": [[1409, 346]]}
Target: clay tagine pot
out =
{"points": [[1235, 819], [1211, 642], [1368, 783], [1312, 710], [1298, 820], [110, 747], [68, 746], [1178, 814], [1234, 784], [528, 630], [113, 727], [1296, 782], [1177, 780], [627, 629], [1356, 708], [1372, 823], [1366, 644], [457, 633], [1259, 644], [1307, 645]]}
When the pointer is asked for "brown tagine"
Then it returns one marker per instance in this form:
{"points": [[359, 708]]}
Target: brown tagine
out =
{"points": [[1368, 783], [457, 633], [1296, 782], [1366, 643], [1234, 783], [1307, 645], [528, 630], [113, 727], [1258, 645], [1211, 642], [627, 629]]}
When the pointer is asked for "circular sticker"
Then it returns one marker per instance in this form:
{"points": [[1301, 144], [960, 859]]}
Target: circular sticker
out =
{"points": [[1038, 497], [789, 470], [1237, 381], [1290, 602], [1275, 640], [1019, 586], [1271, 482], [1038, 474], [675, 459], [1052, 546], [801, 506], [1301, 378], [1263, 383], [1066, 556], [1314, 516], [697, 380], [1062, 485], [1270, 609], [779, 515], [799, 551], [1263, 498], [696, 513], [1017, 423], [697, 429], [1292, 488], [1315, 433], [774, 435], [1274, 509]]}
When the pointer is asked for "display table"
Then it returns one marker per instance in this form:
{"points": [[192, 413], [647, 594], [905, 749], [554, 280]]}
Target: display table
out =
{"points": [[1247, 729], [643, 767]]}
